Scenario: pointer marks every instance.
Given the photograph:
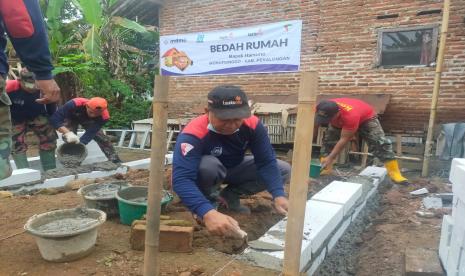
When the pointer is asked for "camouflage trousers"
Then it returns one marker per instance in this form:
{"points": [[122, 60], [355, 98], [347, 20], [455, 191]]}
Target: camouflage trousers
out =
{"points": [[42, 129], [5, 132], [371, 131], [102, 140]]}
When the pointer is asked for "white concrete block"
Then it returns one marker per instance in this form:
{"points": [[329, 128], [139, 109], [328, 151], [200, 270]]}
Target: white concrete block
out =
{"points": [[138, 164], [455, 249], [57, 182], [21, 176], [371, 192], [446, 235], [96, 174], [343, 193], [457, 177], [341, 230], [316, 263], [358, 209], [462, 263], [169, 158], [375, 172], [458, 211], [321, 219]]}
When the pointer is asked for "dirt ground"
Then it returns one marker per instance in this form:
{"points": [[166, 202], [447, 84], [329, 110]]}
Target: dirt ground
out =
{"points": [[394, 227]]}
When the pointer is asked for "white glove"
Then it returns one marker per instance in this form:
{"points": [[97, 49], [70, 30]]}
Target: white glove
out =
{"points": [[70, 137]]}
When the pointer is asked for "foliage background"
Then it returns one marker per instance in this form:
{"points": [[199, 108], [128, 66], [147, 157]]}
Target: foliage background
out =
{"points": [[96, 53]]}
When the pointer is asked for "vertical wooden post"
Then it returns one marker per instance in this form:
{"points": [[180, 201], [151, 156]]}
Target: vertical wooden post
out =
{"points": [[399, 146], [157, 164], [300, 169], [437, 84], [365, 155]]}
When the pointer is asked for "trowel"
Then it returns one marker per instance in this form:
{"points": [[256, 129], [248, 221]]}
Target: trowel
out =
{"points": [[265, 246]]}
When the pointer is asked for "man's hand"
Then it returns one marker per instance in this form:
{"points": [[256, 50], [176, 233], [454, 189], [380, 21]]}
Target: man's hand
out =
{"points": [[50, 91], [326, 162], [281, 204], [221, 224], [70, 137]]}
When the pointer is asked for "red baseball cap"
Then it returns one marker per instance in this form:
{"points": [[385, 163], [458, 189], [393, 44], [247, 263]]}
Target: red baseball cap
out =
{"points": [[97, 103]]}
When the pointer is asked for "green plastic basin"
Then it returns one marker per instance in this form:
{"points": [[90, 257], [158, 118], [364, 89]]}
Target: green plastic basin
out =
{"points": [[132, 203], [315, 168]]}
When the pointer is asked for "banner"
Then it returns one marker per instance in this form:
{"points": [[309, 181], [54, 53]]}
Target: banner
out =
{"points": [[258, 49]]}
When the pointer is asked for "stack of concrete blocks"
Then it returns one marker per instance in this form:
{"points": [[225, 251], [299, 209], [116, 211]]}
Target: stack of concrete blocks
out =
{"points": [[328, 214], [452, 243]]}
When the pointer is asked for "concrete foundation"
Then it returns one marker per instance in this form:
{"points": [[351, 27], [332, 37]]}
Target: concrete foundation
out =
{"points": [[329, 215]]}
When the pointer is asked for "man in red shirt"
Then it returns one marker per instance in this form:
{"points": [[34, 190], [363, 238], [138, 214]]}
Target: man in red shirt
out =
{"points": [[345, 117]]}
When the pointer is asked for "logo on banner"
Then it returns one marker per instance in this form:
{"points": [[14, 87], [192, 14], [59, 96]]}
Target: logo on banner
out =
{"points": [[185, 148], [200, 38], [216, 151], [176, 58]]}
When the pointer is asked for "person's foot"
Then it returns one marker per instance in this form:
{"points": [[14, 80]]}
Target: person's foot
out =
{"points": [[232, 206]]}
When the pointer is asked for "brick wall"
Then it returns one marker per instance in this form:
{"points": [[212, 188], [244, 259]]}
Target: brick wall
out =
{"points": [[339, 40]]}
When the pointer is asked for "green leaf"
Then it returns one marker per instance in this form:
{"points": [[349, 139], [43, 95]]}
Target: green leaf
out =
{"points": [[128, 24], [92, 45], [92, 10], [112, 2], [53, 13], [61, 69]]}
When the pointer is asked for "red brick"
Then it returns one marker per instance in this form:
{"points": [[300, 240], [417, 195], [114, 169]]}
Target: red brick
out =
{"points": [[171, 239]]}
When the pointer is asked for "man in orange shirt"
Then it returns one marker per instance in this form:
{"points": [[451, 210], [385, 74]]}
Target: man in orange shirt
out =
{"points": [[345, 117]]}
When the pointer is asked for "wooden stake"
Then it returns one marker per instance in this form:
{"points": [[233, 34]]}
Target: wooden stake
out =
{"points": [[397, 157], [299, 174], [157, 164], [437, 83], [365, 156]]}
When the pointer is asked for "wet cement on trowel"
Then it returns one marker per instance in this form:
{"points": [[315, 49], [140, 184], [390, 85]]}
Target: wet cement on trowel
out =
{"points": [[100, 166]]}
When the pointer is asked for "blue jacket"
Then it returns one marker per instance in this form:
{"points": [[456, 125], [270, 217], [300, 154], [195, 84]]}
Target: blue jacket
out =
{"points": [[196, 140], [23, 104], [22, 21], [74, 111]]}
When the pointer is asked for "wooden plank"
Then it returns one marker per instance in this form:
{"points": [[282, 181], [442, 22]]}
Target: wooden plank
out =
{"points": [[299, 172], [121, 139], [397, 157], [144, 139]]}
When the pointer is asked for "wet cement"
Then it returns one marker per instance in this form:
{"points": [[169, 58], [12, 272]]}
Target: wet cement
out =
{"points": [[66, 225], [104, 191], [342, 260], [100, 166]]}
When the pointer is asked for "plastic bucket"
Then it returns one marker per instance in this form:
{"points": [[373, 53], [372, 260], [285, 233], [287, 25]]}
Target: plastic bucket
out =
{"points": [[102, 196], [65, 235], [315, 168], [71, 155], [132, 203]]}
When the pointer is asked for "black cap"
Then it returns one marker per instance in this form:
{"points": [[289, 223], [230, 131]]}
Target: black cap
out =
{"points": [[325, 111], [228, 102]]}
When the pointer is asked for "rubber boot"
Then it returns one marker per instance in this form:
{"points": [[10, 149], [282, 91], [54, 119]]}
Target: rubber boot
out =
{"points": [[392, 167], [328, 170], [229, 200], [47, 159], [20, 160]]}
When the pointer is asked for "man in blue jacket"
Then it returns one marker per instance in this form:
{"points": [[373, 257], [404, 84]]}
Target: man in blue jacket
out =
{"points": [[22, 21], [210, 152], [27, 114], [92, 114]]}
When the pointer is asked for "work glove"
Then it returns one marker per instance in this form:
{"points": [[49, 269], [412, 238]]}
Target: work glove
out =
{"points": [[70, 137]]}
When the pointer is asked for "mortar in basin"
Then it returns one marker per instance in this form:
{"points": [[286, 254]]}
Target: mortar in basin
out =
{"points": [[71, 155], [102, 196], [132, 203], [67, 234]]}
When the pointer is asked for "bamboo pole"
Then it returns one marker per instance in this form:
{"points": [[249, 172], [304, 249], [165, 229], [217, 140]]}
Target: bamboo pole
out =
{"points": [[299, 174], [365, 156], [437, 83], [157, 164]]}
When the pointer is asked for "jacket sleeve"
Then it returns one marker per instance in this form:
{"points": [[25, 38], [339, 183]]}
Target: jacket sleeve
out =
{"points": [[186, 161], [92, 131], [24, 24], [57, 120], [265, 160]]}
